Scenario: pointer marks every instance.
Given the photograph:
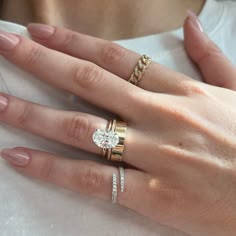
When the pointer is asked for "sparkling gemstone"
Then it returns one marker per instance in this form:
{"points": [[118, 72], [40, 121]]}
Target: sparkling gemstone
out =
{"points": [[105, 139]]}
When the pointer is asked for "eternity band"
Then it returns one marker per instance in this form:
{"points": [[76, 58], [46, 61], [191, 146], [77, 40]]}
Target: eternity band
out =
{"points": [[114, 193], [114, 189], [122, 178]]}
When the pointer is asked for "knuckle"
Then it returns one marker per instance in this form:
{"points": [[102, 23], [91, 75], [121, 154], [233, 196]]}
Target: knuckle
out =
{"points": [[112, 53], [89, 181], [88, 76], [190, 88], [77, 128], [24, 115], [46, 169], [34, 55], [70, 38]]}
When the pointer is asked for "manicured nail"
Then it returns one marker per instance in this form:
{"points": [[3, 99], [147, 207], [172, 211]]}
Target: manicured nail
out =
{"points": [[16, 157], [41, 31], [195, 21], [7, 41], [3, 103]]}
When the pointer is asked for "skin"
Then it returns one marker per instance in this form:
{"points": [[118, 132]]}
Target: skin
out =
{"points": [[185, 129], [108, 19]]}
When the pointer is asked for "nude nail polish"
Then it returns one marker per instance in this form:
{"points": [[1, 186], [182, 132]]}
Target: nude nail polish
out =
{"points": [[195, 21], [16, 157], [3, 103], [40, 31], [8, 41]]}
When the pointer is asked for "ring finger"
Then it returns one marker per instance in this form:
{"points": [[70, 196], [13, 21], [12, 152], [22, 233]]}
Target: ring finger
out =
{"points": [[72, 128]]}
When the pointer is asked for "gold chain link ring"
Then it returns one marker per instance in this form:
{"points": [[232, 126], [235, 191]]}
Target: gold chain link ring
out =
{"points": [[140, 69]]}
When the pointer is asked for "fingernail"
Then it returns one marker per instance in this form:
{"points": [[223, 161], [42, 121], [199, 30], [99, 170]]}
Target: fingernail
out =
{"points": [[16, 157], [8, 41], [41, 31], [195, 21], [3, 103]]}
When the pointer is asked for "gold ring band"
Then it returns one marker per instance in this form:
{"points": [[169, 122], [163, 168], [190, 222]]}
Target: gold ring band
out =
{"points": [[112, 128], [108, 128], [140, 69], [118, 150], [116, 153]]}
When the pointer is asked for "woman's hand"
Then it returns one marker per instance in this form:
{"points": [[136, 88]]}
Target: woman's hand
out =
{"points": [[181, 135]]}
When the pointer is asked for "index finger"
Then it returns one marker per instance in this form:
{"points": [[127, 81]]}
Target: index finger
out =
{"points": [[77, 76], [108, 55]]}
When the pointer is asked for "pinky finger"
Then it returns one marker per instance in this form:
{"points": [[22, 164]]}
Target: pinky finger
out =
{"points": [[83, 176]]}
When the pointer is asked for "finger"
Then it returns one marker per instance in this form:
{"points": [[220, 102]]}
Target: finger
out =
{"points": [[213, 64], [110, 56], [141, 194], [82, 176], [82, 78], [72, 128]]}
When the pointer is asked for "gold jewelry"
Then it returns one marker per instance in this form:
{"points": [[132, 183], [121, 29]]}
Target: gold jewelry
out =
{"points": [[105, 139], [111, 140], [108, 128], [118, 150], [115, 180], [122, 178], [114, 192], [113, 126], [140, 69]]}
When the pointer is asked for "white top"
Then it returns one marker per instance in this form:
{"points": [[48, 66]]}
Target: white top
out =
{"points": [[32, 208]]}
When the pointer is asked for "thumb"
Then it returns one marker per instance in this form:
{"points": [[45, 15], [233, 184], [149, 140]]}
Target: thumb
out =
{"points": [[213, 64]]}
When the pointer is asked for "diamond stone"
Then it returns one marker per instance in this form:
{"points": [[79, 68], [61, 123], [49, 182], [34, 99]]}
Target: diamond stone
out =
{"points": [[105, 139]]}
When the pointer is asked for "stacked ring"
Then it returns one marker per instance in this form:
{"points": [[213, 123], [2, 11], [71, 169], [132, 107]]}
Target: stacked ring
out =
{"points": [[111, 140], [114, 192], [118, 150], [122, 178], [108, 128], [114, 189]]}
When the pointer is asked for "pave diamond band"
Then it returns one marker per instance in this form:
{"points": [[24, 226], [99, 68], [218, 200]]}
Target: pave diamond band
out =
{"points": [[114, 189], [122, 178], [114, 193]]}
